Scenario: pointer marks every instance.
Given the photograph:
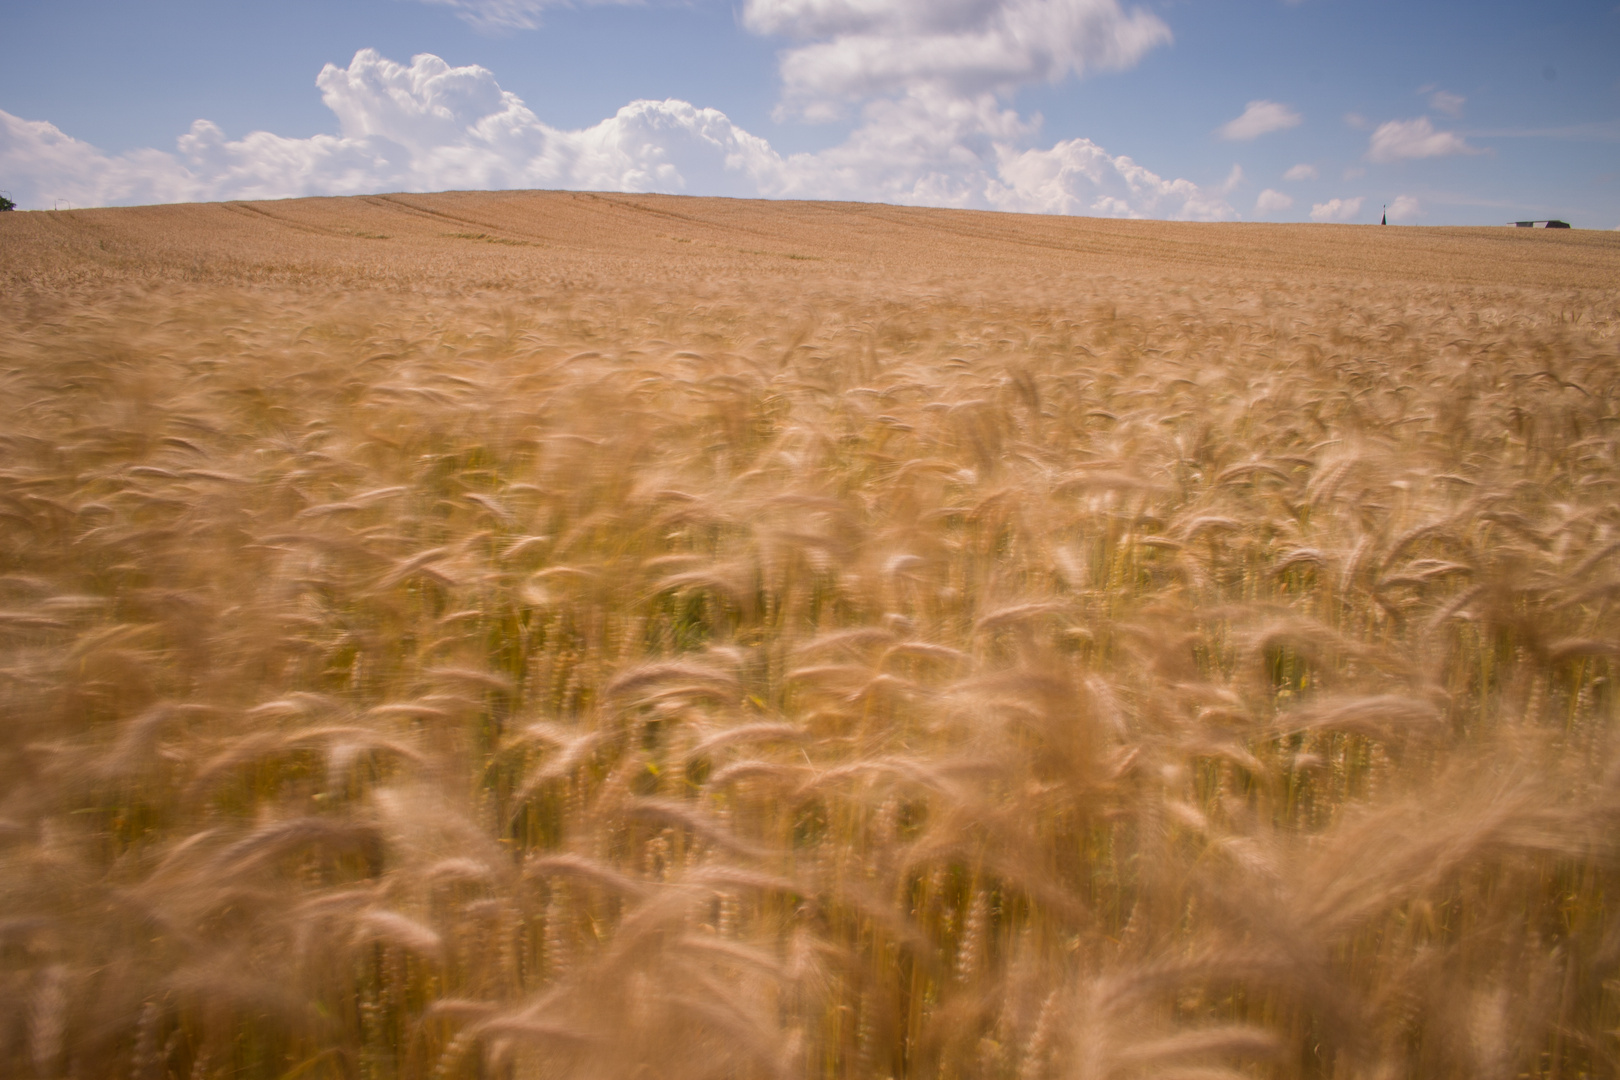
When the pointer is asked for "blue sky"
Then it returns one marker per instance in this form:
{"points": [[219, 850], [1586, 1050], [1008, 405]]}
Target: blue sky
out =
{"points": [[1450, 113]]}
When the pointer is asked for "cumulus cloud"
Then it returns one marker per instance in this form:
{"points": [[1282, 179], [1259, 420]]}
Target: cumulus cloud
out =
{"points": [[1301, 171], [1272, 202], [42, 165], [428, 126], [1404, 208], [1259, 118], [1414, 139], [853, 49], [419, 127], [1079, 177], [928, 81], [1336, 209]]}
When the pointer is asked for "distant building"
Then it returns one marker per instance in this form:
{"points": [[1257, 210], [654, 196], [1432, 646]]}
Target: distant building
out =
{"points": [[1550, 223]]}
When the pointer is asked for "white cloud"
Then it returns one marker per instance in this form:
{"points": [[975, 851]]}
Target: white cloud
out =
{"points": [[1079, 177], [928, 80], [1404, 208], [427, 126], [42, 164], [425, 105], [1336, 209], [1443, 102], [422, 127], [1357, 121], [1272, 202], [1414, 139], [860, 48], [926, 148], [1259, 118], [1301, 171]]}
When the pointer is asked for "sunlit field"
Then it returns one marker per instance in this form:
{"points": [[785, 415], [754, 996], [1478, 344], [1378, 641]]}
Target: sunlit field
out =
{"points": [[545, 636]]}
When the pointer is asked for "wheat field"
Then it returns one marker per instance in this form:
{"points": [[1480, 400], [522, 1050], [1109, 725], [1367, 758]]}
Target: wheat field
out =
{"points": [[540, 635]]}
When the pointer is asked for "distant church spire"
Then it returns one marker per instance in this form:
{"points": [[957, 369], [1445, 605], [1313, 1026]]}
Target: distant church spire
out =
{"points": [[1385, 219]]}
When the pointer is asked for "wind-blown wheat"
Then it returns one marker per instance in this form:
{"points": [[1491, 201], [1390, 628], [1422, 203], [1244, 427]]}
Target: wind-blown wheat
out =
{"points": [[800, 683]]}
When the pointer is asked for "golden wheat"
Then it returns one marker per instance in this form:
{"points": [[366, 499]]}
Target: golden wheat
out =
{"points": [[971, 646]]}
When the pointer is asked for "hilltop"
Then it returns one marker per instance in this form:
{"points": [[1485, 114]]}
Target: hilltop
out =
{"points": [[523, 240]]}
